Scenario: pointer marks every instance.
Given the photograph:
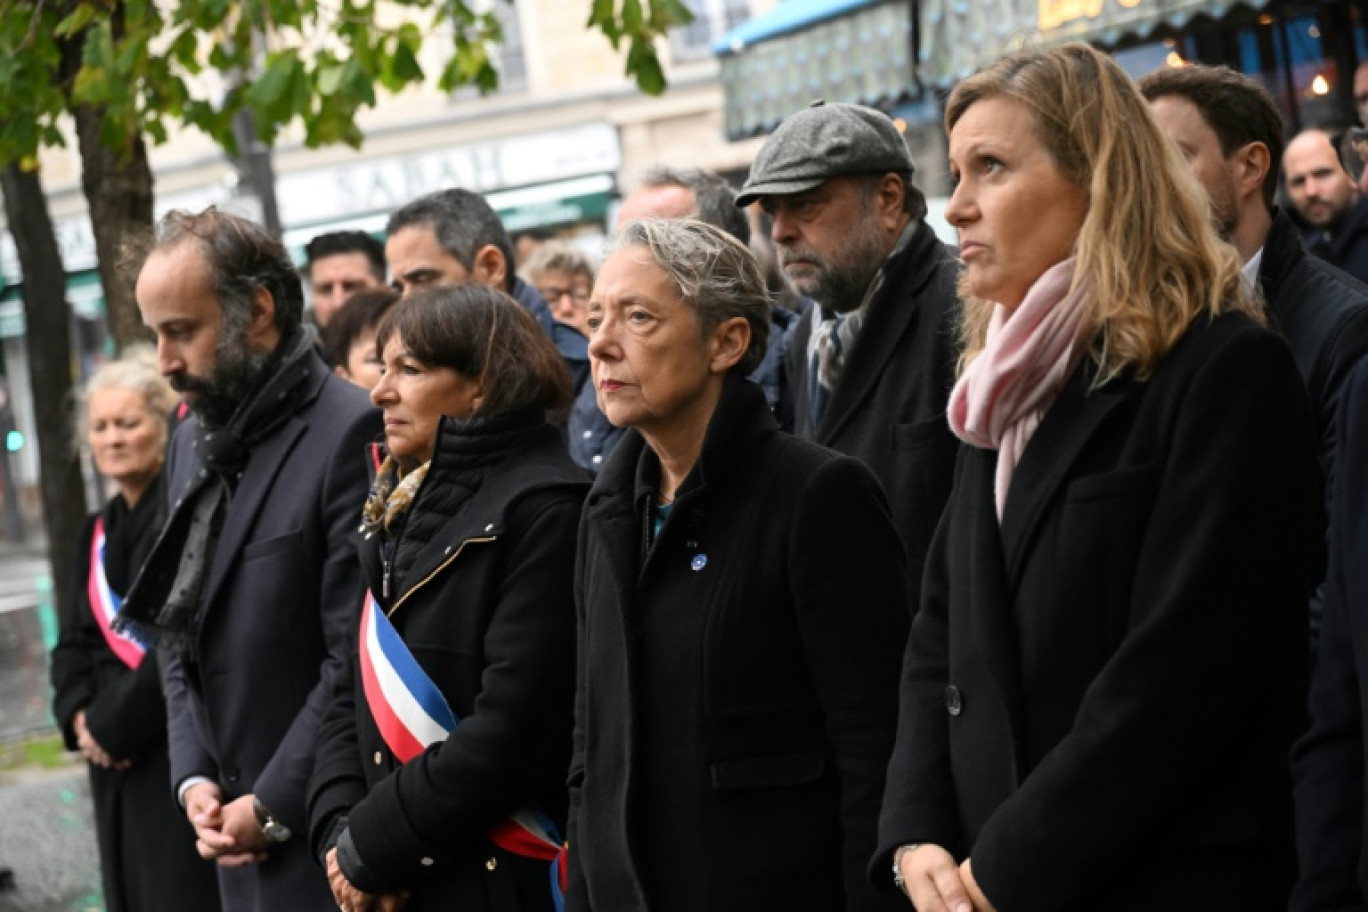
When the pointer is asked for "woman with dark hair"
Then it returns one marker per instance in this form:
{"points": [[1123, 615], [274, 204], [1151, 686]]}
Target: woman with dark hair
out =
{"points": [[742, 610], [440, 773], [349, 337], [107, 695], [1107, 670]]}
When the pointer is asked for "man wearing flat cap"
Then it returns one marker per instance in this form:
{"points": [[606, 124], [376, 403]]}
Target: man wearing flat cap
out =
{"points": [[871, 363]]}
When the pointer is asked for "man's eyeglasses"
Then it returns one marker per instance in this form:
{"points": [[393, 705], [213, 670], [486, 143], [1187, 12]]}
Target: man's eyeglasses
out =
{"points": [[552, 295]]}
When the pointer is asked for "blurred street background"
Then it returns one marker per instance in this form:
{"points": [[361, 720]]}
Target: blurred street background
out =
{"points": [[46, 835]]}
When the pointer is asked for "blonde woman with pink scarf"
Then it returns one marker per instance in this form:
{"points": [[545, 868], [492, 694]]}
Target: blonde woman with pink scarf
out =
{"points": [[1107, 668]]}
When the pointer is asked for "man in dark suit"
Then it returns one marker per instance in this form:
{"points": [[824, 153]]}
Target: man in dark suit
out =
{"points": [[1229, 129], [870, 365], [1329, 766], [252, 591]]}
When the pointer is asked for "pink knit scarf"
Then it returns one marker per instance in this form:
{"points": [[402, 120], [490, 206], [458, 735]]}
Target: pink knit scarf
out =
{"points": [[999, 400]]}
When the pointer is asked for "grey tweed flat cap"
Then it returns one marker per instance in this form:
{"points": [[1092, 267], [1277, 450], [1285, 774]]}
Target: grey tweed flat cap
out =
{"points": [[823, 141]]}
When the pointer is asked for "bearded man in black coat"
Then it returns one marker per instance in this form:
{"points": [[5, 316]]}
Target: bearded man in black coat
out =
{"points": [[251, 591], [870, 364]]}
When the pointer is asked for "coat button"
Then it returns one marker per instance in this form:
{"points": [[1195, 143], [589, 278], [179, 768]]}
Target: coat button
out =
{"points": [[379, 758], [954, 701], [232, 774], [426, 861], [491, 864]]}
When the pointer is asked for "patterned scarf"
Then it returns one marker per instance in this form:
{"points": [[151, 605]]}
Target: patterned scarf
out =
{"points": [[390, 497], [166, 603]]}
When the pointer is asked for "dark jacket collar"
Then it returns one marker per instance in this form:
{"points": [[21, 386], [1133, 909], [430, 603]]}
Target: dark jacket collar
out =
{"points": [[616, 509], [469, 445], [479, 470], [741, 420], [1283, 248]]}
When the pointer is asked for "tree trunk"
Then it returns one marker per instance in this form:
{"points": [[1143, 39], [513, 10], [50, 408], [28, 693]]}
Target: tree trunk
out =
{"points": [[118, 192], [48, 340]]}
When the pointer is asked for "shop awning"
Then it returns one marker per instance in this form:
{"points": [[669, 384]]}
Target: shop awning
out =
{"points": [[960, 37], [789, 16], [802, 50]]}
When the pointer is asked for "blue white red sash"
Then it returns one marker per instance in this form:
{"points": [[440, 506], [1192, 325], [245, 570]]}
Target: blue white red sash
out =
{"points": [[412, 715], [105, 603]]}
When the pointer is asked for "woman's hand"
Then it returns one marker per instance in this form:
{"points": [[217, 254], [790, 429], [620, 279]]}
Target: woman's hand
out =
{"points": [[350, 899], [91, 748], [981, 903], [934, 882]]}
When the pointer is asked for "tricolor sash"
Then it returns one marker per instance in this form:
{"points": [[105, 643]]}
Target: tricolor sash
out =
{"points": [[105, 603], [412, 715]]}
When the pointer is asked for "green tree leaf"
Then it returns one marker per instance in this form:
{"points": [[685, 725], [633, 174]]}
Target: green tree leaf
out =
{"points": [[644, 64], [74, 22]]}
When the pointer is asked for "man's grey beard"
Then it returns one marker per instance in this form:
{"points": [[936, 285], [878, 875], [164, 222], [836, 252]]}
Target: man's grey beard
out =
{"points": [[236, 372], [843, 278]]}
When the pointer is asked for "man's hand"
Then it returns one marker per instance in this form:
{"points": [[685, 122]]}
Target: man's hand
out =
{"points": [[91, 748], [350, 899], [933, 881], [214, 842], [240, 824]]}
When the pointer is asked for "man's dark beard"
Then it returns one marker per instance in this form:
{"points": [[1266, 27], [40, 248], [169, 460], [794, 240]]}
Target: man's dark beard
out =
{"points": [[218, 396]]}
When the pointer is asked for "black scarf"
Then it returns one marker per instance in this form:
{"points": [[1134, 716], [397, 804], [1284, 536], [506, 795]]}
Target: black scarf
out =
{"points": [[166, 603], [130, 532]]}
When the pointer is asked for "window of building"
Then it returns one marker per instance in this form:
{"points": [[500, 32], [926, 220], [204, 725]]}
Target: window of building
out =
{"points": [[712, 19], [509, 57]]}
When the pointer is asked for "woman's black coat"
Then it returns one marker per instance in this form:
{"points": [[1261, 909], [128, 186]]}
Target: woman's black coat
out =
{"points": [[481, 595], [147, 847], [1099, 694], [737, 689]]}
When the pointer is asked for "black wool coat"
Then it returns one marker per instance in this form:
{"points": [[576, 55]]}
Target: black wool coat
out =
{"points": [[1100, 692], [280, 618], [888, 410], [737, 687], [480, 592], [1329, 761], [148, 861]]}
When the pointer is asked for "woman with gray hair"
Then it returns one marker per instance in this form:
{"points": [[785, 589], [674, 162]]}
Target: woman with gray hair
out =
{"points": [[741, 611], [107, 695]]}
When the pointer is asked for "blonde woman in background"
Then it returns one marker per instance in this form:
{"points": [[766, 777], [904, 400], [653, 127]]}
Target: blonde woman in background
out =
{"points": [[107, 691]]}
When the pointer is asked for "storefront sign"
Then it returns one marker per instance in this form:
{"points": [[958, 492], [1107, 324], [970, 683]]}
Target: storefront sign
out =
{"points": [[1054, 13], [329, 194]]}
